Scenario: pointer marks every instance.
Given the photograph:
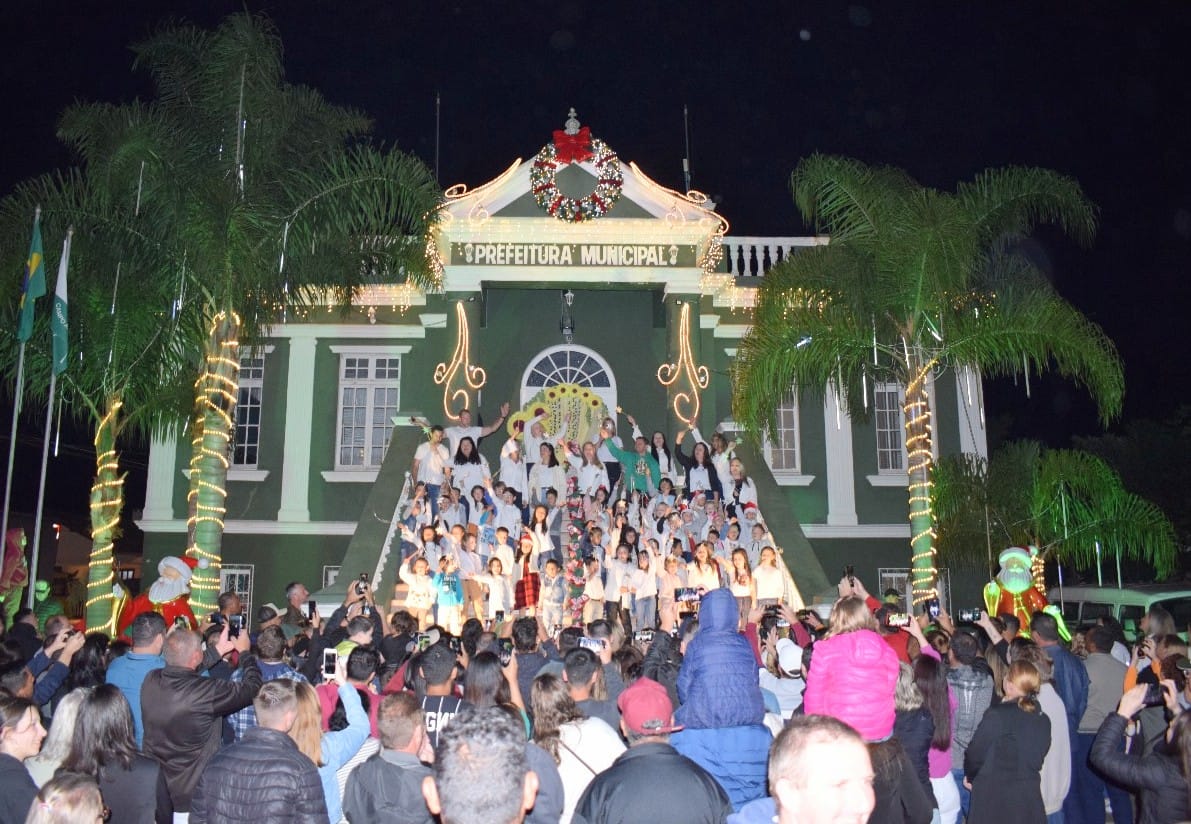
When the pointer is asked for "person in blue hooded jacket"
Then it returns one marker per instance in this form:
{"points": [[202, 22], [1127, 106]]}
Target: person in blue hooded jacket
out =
{"points": [[722, 710]]}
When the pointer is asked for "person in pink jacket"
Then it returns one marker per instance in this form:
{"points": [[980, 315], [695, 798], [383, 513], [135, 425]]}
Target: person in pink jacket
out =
{"points": [[853, 672]]}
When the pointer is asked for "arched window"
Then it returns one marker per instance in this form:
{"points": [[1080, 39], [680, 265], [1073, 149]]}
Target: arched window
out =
{"points": [[569, 364]]}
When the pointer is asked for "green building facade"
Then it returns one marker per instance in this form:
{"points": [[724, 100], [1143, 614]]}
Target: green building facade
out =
{"points": [[324, 436]]}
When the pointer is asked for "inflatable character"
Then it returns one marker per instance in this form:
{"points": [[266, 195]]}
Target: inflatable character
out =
{"points": [[14, 574], [169, 595], [1015, 591], [45, 605]]}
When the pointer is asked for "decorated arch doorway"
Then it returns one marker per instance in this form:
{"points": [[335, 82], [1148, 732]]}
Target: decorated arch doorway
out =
{"points": [[567, 382]]}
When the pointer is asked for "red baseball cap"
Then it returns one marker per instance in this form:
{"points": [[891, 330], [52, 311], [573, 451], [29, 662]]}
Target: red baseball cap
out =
{"points": [[646, 709]]}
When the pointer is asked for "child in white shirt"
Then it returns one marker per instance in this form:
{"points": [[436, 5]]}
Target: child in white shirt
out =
{"points": [[593, 608]]}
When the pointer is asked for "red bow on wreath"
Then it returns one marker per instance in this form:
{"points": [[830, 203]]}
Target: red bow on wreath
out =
{"points": [[573, 148]]}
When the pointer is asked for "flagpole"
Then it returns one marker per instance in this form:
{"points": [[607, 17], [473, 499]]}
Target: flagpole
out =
{"points": [[45, 459], [22, 336], [12, 439], [60, 345]]}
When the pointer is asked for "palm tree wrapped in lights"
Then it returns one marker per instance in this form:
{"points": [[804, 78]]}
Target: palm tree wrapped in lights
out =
{"points": [[915, 281]]}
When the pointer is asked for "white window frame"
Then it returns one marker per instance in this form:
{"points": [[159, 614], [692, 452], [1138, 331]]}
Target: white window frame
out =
{"points": [[226, 572], [787, 475], [330, 575], [553, 376], [887, 389], [258, 353], [901, 579], [371, 384]]}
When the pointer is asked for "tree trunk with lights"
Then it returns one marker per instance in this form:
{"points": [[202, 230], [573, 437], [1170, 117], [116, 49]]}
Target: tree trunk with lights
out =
{"points": [[215, 399], [107, 502], [919, 451]]}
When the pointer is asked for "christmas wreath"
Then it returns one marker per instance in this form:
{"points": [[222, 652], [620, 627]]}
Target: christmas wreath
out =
{"points": [[576, 147]]}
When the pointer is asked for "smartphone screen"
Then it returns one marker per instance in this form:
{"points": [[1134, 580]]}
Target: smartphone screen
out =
{"points": [[235, 624], [330, 661], [500, 615], [506, 651], [309, 609]]}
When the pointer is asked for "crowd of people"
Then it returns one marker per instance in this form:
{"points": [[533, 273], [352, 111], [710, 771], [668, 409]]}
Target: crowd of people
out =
{"points": [[637, 669]]}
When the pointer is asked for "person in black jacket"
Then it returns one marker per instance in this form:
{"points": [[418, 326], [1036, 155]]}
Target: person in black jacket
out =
{"points": [[104, 747], [264, 778], [1003, 762], [914, 728], [1160, 778], [183, 711]]}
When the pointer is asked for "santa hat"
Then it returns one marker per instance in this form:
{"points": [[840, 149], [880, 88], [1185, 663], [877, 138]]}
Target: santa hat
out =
{"points": [[183, 566], [525, 536], [1014, 553]]}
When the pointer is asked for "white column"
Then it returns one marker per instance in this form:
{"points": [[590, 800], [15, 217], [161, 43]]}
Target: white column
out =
{"points": [[973, 437], [299, 411], [159, 489], [841, 481]]}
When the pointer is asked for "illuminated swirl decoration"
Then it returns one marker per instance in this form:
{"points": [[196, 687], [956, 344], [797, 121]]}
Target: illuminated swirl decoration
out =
{"points": [[459, 378], [573, 149], [686, 404]]}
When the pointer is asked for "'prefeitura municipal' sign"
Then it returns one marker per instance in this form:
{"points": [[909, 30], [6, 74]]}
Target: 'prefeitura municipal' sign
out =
{"points": [[573, 254]]}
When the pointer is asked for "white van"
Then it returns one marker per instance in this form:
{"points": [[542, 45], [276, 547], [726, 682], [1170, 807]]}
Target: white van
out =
{"points": [[1083, 605]]}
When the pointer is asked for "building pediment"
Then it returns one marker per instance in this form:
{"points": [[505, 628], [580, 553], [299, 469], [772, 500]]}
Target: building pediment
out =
{"points": [[575, 212]]}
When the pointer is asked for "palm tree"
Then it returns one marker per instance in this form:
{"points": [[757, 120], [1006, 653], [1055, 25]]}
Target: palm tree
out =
{"points": [[246, 198], [1068, 503], [127, 373], [277, 202], [915, 281]]}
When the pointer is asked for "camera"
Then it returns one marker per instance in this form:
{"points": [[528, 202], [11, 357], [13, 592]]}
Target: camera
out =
{"points": [[362, 584], [330, 661]]}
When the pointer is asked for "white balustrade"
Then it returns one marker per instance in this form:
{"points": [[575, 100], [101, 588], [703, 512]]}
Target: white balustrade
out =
{"points": [[754, 256]]}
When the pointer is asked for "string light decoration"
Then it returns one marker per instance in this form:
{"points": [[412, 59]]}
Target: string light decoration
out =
{"points": [[686, 404], [107, 500], [216, 394], [916, 410], [459, 377]]}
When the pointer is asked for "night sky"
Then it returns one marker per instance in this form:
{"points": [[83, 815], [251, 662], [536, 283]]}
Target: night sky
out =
{"points": [[1098, 91]]}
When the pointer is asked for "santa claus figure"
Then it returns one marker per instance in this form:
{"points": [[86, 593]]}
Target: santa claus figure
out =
{"points": [[1014, 592], [169, 595]]}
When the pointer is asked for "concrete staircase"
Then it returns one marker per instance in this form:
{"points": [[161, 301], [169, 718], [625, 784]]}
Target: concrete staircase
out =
{"points": [[783, 523], [365, 553]]}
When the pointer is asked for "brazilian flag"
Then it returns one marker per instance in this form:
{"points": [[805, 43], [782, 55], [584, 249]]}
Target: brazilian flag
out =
{"points": [[34, 286]]}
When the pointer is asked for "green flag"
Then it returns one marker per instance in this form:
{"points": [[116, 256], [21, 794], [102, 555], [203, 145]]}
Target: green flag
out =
{"points": [[58, 317], [34, 286]]}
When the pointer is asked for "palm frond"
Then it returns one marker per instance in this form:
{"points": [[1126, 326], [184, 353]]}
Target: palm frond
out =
{"points": [[1015, 199], [1025, 324], [846, 198]]}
